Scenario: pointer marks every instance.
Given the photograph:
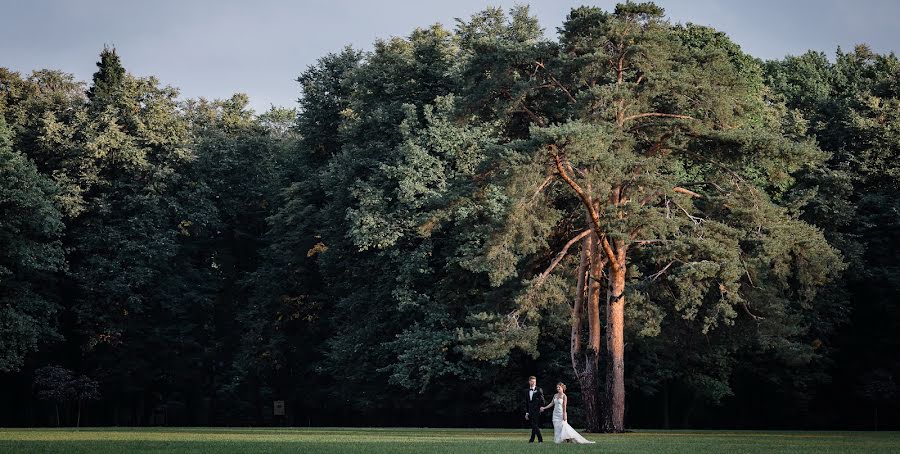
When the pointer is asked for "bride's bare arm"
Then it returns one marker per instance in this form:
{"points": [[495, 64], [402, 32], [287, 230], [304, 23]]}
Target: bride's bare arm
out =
{"points": [[565, 401]]}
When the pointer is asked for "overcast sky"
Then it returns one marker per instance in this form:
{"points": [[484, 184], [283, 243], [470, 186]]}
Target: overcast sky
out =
{"points": [[216, 48]]}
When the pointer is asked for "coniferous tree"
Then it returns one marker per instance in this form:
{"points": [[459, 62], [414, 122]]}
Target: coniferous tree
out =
{"points": [[670, 167]]}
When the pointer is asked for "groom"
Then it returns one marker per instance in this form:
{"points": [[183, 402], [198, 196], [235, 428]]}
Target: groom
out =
{"points": [[534, 400]]}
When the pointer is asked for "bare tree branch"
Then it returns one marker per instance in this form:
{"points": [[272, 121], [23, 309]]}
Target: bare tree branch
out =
{"points": [[694, 219]]}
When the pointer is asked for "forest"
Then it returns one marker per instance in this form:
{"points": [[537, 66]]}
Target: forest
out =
{"points": [[686, 235]]}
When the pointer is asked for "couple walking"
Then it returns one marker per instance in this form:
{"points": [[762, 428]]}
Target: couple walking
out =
{"points": [[534, 405]]}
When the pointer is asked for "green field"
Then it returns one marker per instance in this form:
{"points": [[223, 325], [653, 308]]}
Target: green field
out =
{"points": [[461, 441]]}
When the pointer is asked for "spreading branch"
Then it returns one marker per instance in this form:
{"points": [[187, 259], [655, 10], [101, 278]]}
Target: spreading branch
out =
{"points": [[586, 200], [681, 190], [534, 117], [543, 185], [520, 101], [556, 82], [651, 241], [706, 183], [677, 189], [659, 273], [734, 174], [751, 314], [650, 198], [561, 255], [658, 145], [657, 114], [694, 219]]}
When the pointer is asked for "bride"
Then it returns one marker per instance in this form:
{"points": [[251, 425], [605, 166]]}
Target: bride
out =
{"points": [[562, 431]]}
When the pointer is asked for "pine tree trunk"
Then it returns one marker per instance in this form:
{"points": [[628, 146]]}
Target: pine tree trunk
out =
{"points": [[614, 416], [591, 386], [575, 348], [590, 392], [585, 361]]}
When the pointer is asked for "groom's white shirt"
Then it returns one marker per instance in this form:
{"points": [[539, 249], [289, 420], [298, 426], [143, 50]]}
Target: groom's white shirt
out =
{"points": [[531, 393]]}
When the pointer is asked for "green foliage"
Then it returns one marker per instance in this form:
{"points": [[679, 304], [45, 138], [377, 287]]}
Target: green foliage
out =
{"points": [[30, 253], [60, 385], [124, 238], [434, 176], [392, 235], [705, 260], [109, 82], [850, 106]]}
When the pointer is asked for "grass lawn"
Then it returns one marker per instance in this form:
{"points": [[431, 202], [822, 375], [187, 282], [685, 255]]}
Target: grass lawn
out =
{"points": [[456, 441]]}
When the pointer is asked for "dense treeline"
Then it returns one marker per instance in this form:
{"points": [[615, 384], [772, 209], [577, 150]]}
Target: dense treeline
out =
{"points": [[636, 208]]}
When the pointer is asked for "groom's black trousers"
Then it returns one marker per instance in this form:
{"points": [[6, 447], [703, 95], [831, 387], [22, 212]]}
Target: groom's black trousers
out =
{"points": [[535, 419]]}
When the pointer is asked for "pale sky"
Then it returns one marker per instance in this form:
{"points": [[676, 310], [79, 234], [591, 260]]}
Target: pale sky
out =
{"points": [[216, 48]]}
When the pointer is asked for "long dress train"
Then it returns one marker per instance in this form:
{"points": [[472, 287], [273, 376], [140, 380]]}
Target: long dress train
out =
{"points": [[562, 431]]}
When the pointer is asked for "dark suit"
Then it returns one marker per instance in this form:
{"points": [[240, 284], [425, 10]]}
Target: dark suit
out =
{"points": [[533, 406]]}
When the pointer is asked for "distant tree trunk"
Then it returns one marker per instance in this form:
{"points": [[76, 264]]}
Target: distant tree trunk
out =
{"points": [[665, 405], [614, 417], [688, 412], [78, 417], [56, 406]]}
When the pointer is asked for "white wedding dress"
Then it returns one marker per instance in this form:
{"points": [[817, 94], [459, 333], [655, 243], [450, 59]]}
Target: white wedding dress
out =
{"points": [[562, 431]]}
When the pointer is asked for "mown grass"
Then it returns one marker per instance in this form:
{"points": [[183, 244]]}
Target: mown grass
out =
{"points": [[456, 441]]}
